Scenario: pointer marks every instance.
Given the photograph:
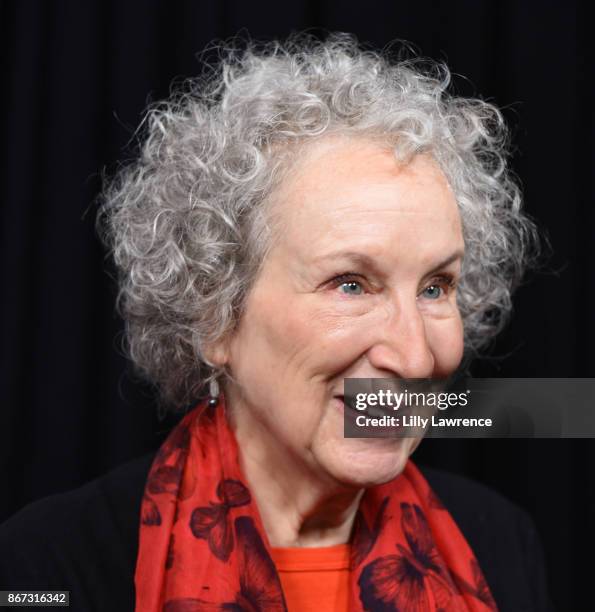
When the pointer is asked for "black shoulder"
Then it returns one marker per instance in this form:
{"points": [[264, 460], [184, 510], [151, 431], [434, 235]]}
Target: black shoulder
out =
{"points": [[85, 540], [470, 502], [503, 538]]}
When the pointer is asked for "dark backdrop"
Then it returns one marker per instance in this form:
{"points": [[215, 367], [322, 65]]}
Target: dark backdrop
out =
{"points": [[75, 78]]}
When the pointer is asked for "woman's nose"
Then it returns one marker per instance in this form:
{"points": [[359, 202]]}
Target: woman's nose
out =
{"points": [[401, 347]]}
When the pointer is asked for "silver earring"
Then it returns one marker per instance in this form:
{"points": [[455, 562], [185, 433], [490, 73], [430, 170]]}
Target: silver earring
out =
{"points": [[214, 393]]}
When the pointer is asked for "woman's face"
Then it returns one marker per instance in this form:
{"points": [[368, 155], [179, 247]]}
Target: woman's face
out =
{"points": [[359, 283]]}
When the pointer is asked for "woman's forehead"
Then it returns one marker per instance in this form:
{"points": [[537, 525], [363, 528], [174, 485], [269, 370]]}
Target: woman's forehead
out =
{"points": [[356, 187], [352, 156], [380, 216]]}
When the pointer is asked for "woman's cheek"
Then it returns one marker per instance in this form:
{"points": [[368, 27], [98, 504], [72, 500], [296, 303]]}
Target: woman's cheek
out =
{"points": [[341, 341]]}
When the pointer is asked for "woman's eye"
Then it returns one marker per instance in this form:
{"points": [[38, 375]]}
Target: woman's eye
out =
{"points": [[433, 292], [439, 288], [348, 284], [351, 288]]}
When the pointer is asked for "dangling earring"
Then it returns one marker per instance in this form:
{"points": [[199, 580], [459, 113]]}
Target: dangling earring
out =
{"points": [[214, 393]]}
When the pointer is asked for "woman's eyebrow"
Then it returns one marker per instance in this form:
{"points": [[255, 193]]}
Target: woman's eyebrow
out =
{"points": [[354, 257], [458, 254], [366, 260]]}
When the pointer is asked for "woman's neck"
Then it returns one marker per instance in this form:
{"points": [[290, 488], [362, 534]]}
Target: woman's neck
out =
{"points": [[297, 507]]}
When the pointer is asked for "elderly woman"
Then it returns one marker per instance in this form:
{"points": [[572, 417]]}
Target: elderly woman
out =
{"points": [[308, 212]]}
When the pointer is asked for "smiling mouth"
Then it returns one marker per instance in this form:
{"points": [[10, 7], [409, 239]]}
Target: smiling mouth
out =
{"points": [[350, 404], [350, 414], [346, 404]]}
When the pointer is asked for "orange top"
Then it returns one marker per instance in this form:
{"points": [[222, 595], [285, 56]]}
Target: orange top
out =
{"points": [[314, 579]]}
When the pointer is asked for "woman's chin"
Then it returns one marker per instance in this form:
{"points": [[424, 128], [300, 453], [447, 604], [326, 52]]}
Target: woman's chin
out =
{"points": [[365, 463]]}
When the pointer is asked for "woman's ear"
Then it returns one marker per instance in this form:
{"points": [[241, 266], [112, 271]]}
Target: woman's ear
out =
{"points": [[217, 353]]}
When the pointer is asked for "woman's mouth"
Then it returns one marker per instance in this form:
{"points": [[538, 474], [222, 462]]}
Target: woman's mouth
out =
{"points": [[350, 413], [346, 407]]}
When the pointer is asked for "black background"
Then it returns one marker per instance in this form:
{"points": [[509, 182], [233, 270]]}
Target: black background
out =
{"points": [[76, 76]]}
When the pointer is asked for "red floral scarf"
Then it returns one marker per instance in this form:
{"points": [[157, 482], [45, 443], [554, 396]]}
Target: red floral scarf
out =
{"points": [[203, 546]]}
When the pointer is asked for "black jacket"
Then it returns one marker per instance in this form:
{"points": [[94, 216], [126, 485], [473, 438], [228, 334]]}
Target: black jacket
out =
{"points": [[86, 541]]}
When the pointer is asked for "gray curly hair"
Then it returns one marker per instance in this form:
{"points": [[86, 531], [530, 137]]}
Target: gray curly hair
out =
{"points": [[187, 221]]}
